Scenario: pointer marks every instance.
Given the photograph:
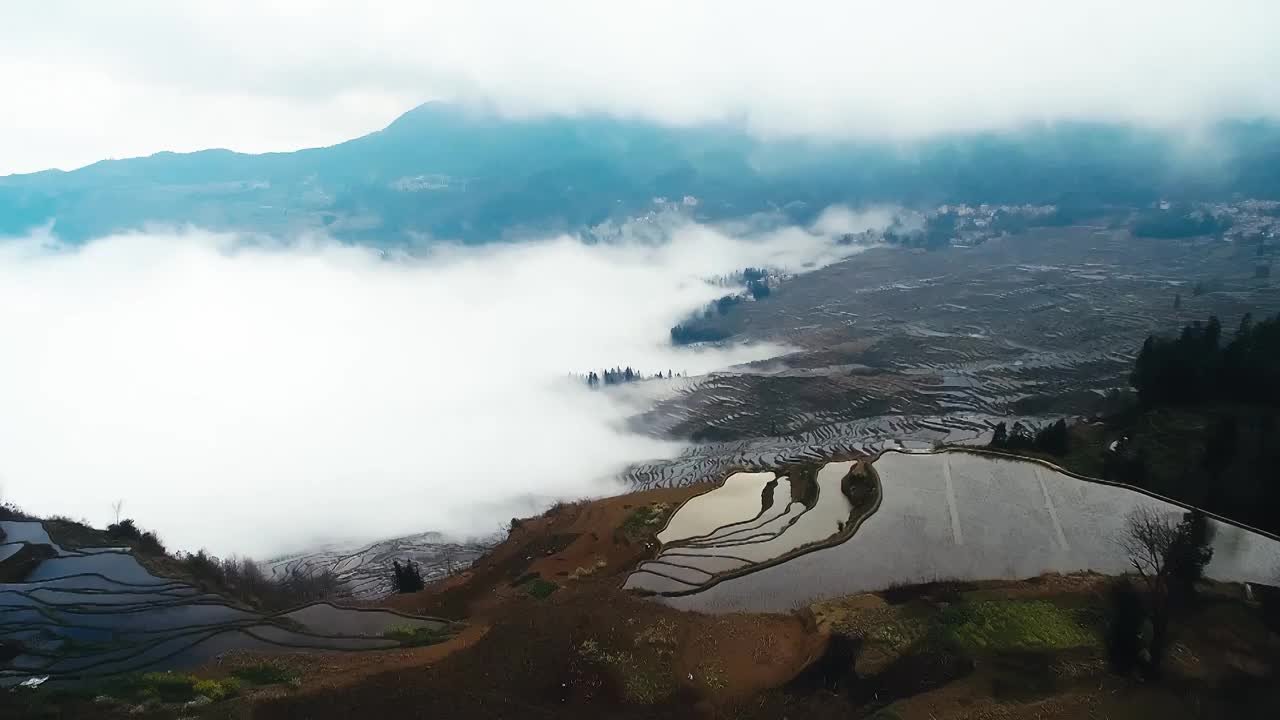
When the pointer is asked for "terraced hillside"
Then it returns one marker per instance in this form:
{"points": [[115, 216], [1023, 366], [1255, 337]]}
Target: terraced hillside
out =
{"points": [[897, 346], [1019, 323], [86, 614], [364, 571]]}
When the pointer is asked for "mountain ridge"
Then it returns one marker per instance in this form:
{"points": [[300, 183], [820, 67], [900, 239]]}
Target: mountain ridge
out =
{"points": [[443, 171]]}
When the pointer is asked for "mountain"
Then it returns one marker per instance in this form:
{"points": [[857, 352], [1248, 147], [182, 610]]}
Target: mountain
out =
{"points": [[443, 171]]}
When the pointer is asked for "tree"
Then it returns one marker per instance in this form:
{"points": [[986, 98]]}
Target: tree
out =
{"points": [[1191, 551], [1000, 436], [406, 578], [1053, 439], [1168, 558], [1148, 538]]}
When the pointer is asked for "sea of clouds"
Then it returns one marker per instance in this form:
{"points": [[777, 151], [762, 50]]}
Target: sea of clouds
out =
{"points": [[257, 396]]}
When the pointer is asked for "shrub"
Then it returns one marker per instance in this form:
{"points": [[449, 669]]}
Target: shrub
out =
{"points": [[644, 520], [217, 690], [9, 511], [128, 531], [124, 530]]}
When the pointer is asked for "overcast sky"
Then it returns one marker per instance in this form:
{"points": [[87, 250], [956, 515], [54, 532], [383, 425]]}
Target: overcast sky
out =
{"points": [[85, 80]]}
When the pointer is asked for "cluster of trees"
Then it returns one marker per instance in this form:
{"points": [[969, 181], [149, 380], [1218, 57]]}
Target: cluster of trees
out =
{"points": [[244, 579], [689, 333], [1209, 428], [756, 284], [239, 578], [128, 531], [1196, 368], [406, 578], [1168, 558], [1179, 223], [935, 233], [1052, 439], [695, 329], [618, 376]]}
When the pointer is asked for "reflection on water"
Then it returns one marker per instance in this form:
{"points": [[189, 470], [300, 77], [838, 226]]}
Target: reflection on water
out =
{"points": [[964, 516]]}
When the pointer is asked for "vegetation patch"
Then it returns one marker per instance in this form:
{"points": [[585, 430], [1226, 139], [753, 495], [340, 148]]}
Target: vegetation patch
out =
{"points": [[641, 680], [660, 635], [266, 673], [1013, 625], [540, 588], [168, 687], [711, 675], [645, 521], [417, 636]]}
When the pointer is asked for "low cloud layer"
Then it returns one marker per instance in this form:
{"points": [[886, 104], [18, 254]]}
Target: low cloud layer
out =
{"points": [[257, 397], [260, 75]]}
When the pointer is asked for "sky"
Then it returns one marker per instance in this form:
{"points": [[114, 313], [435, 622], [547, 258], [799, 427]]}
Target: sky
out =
{"points": [[87, 80], [260, 397]]}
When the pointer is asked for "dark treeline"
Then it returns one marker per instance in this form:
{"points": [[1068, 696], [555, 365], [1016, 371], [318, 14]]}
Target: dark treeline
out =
{"points": [[687, 334], [757, 286], [1196, 367], [1052, 439], [618, 376], [696, 329], [1207, 429], [1179, 223]]}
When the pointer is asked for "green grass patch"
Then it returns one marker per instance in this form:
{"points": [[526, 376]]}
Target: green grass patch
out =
{"points": [[898, 633], [540, 588], [169, 687], [417, 636], [995, 625], [266, 673], [645, 520]]}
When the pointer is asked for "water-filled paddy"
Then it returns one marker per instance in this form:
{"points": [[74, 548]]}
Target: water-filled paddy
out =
{"points": [[738, 499], [136, 620], [749, 531], [964, 516]]}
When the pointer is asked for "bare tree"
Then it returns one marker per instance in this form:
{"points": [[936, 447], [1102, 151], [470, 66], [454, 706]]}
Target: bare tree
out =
{"points": [[1150, 537]]}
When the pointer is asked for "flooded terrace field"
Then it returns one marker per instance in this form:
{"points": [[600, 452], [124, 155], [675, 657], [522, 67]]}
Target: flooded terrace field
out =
{"points": [[964, 516], [93, 612]]}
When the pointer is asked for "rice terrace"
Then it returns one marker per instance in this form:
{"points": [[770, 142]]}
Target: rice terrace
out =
{"points": [[494, 360]]}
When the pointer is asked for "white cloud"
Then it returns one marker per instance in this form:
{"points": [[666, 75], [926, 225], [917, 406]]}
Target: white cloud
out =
{"points": [[87, 79], [255, 397]]}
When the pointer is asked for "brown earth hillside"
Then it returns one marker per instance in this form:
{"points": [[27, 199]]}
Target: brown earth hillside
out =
{"points": [[545, 631]]}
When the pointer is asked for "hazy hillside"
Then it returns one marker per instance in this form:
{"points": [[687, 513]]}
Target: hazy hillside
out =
{"points": [[440, 171]]}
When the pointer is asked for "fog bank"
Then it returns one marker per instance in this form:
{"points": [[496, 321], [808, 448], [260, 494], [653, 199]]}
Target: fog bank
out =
{"points": [[258, 397]]}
